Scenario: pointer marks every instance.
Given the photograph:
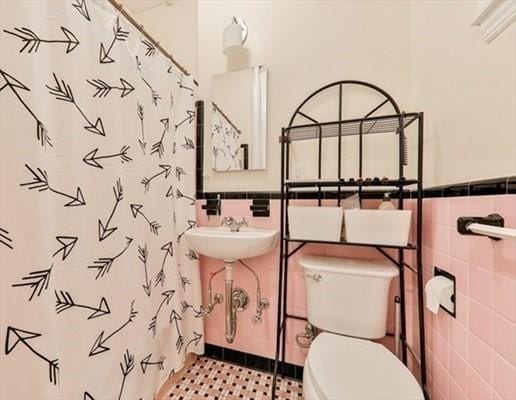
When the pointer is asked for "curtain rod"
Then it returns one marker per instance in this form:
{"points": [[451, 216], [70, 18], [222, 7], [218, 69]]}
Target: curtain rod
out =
{"points": [[120, 7], [216, 107]]}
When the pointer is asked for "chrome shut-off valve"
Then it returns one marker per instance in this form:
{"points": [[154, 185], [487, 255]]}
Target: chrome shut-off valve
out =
{"points": [[263, 304], [305, 339], [213, 300], [217, 299]]}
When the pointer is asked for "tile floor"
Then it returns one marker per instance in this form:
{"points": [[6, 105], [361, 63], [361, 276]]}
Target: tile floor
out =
{"points": [[211, 379]]}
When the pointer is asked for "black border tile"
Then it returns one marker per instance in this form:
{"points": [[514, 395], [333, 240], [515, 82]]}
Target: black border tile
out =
{"points": [[488, 187], [287, 369], [460, 190], [234, 356], [212, 195], [433, 192], [252, 361], [261, 195], [258, 362], [212, 351], [511, 185], [299, 372], [260, 207], [305, 195], [234, 196], [199, 138]]}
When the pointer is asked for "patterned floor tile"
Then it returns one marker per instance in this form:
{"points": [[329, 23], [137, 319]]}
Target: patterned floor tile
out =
{"points": [[216, 380]]}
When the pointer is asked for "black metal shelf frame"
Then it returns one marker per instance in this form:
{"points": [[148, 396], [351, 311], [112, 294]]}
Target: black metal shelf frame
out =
{"points": [[344, 243], [395, 123], [397, 183]]}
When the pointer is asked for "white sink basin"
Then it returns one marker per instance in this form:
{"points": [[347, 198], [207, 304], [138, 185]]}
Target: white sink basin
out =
{"points": [[221, 243]]}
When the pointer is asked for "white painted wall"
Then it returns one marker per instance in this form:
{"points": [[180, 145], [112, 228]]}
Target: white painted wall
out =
{"points": [[467, 89], [304, 44], [425, 53], [174, 24]]}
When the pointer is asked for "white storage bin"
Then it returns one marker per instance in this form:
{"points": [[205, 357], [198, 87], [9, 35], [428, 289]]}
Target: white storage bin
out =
{"points": [[383, 227], [315, 223]]}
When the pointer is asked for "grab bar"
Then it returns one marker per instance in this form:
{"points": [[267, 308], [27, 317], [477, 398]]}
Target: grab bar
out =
{"points": [[492, 231], [491, 226]]}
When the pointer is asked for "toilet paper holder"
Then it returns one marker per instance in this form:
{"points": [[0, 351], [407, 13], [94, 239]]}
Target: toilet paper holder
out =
{"points": [[438, 271]]}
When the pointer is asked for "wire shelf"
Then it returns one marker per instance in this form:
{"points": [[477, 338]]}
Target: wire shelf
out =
{"points": [[409, 246], [394, 183], [365, 126]]}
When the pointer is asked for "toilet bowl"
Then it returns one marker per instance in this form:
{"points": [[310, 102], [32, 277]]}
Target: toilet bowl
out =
{"points": [[348, 300], [344, 368]]}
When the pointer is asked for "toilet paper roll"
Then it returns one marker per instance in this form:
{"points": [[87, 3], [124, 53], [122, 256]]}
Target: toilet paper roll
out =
{"points": [[438, 290]]}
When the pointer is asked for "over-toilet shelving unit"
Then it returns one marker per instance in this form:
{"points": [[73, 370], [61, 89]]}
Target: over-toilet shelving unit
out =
{"points": [[396, 122]]}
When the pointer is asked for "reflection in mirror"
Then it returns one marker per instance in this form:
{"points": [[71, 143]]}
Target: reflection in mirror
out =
{"points": [[239, 120]]}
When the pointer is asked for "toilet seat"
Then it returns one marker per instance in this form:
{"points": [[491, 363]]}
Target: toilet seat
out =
{"points": [[343, 368]]}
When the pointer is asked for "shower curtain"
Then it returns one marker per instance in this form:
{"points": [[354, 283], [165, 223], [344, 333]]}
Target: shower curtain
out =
{"points": [[226, 142], [100, 293]]}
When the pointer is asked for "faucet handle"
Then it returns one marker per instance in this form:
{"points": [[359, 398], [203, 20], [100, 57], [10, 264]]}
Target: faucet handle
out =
{"points": [[244, 222], [227, 220]]}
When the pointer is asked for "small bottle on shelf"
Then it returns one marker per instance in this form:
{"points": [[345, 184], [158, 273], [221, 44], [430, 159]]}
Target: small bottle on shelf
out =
{"points": [[386, 203]]}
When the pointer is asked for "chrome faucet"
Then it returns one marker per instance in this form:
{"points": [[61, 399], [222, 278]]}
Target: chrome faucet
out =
{"points": [[233, 224]]}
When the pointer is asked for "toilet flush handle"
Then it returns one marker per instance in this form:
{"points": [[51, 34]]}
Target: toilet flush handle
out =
{"points": [[315, 277]]}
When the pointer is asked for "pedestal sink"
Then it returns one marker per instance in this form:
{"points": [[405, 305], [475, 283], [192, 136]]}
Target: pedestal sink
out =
{"points": [[231, 246]]}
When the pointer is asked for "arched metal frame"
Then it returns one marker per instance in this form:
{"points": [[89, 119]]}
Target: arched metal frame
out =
{"points": [[387, 99], [387, 96], [395, 123]]}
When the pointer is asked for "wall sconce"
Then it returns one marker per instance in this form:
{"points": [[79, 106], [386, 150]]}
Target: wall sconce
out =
{"points": [[234, 36]]}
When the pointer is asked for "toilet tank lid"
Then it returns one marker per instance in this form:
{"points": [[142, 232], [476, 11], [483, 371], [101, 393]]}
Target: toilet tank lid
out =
{"points": [[349, 266]]}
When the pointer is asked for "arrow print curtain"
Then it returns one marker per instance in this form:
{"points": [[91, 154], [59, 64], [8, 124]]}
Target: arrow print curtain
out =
{"points": [[226, 141], [100, 294]]}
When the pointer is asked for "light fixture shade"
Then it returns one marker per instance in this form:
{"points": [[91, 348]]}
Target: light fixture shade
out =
{"points": [[232, 37]]}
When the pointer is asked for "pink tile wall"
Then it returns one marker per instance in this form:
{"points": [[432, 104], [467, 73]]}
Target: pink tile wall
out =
{"points": [[252, 338], [260, 339], [472, 356]]}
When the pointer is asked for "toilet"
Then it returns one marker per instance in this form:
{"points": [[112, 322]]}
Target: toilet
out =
{"points": [[348, 300]]}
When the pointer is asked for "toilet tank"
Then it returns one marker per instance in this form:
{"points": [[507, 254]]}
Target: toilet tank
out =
{"points": [[348, 296]]}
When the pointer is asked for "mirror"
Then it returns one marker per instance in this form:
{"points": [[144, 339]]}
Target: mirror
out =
{"points": [[239, 120]]}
